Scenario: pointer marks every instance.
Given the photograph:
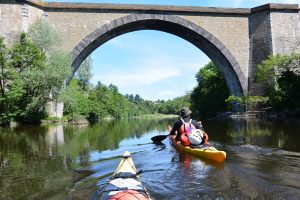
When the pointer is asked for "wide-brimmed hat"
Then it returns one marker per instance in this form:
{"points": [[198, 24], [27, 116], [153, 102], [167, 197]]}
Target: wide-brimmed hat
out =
{"points": [[185, 112]]}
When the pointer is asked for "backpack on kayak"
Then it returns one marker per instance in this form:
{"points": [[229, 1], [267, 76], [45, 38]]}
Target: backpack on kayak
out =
{"points": [[196, 137]]}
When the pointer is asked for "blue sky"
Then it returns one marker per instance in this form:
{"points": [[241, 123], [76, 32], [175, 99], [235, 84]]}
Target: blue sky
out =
{"points": [[154, 64]]}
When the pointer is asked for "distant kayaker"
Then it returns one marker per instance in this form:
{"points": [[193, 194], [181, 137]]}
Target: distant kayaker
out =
{"points": [[184, 126]]}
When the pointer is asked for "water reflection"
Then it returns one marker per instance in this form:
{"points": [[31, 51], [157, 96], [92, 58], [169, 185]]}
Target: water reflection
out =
{"points": [[39, 161], [260, 132], [47, 162], [55, 136]]}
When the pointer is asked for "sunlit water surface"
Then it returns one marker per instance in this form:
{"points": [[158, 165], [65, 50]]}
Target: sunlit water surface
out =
{"points": [[56, 162]]}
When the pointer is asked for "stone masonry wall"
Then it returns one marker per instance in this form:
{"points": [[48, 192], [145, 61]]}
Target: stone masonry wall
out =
{"points": [[11, 21], [260, 47], [74, 26], [275, 30], [32, 14], [15, 18], [231, 30], [285, 32]]}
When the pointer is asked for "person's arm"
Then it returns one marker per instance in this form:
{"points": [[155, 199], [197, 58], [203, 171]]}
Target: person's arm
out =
{"points": [[174, 129]]}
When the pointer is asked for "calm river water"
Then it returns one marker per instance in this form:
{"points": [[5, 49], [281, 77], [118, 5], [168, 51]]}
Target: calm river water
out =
{"points": [[68, 162]]}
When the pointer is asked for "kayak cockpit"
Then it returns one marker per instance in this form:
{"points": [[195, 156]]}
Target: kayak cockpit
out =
{"points": [[125, 183]]}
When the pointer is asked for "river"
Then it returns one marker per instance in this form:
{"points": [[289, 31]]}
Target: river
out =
{"points": [[71, 162]]}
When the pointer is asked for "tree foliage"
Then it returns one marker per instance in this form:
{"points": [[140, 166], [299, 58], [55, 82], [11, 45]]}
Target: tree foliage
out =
{"points": [[28, 62], [278, 72], [11, 88], [84, 73], [249, 102], [208, 97], [173, 106], [42, 34], [31, 75]]}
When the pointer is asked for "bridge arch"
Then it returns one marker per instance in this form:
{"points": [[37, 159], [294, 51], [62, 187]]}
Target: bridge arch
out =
{"points": [[210, 45]]}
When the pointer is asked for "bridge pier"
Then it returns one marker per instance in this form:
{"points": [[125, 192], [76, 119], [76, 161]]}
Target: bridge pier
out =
{"points": [[273, 29], [55, 109]]}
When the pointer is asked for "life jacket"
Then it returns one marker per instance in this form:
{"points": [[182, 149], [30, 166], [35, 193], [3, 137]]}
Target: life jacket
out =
{"points": [[186, 126], [184, 130]]}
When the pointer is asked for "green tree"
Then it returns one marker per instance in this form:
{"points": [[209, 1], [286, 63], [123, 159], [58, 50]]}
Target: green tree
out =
{"points": [[49, 82], [3, 64], [28, 63], [208, 97], [84, 73], [58, 63], [116, 103], [31, 75], [173, 106], [98, 97], [76, 102], [282, 82], [26, 55], [11, 88], [248, 101], [42, 34], [289, 84]]}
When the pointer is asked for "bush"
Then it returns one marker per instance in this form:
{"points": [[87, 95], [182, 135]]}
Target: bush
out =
{"points": [[249, 102], [279, 73]]}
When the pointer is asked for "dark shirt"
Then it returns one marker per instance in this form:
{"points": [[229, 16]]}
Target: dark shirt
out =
{"points": [[179, 123]]}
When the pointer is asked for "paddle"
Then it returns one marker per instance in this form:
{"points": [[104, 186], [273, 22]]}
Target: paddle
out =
{"points": [[159, 138]]}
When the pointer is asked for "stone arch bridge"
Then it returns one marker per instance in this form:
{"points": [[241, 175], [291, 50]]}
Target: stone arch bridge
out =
{"points": [[235, 39]]}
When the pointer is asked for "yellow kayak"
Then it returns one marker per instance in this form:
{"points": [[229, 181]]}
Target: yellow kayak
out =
{"points": [[208, 152], [125, 183]]}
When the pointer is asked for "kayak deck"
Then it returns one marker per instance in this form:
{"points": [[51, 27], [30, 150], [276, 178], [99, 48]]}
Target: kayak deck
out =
{"points": [[125, 183], [208, 152]]}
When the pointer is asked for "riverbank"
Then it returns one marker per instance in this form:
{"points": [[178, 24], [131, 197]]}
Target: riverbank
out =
{"points": [[158, 116], [83, 121], [267, 113]]}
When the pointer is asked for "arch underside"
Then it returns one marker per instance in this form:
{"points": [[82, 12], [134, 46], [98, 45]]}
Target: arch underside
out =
{"points": [[211, 46]]}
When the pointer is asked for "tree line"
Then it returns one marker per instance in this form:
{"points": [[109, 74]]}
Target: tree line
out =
{"points": [[102, 101]]}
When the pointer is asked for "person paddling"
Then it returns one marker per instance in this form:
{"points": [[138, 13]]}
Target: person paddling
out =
{"points": [[185, 125]]}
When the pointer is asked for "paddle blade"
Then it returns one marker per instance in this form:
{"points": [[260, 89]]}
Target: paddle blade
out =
{"points": [[159, 138]]}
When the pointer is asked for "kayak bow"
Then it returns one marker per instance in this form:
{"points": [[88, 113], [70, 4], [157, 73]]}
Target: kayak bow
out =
{"points": [[125, 183], [208, 152]]}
